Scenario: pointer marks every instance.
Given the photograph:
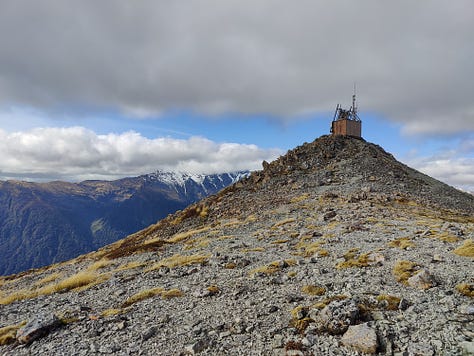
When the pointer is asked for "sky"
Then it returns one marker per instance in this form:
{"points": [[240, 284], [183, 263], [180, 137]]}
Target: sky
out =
{"points": [[106, 89]]}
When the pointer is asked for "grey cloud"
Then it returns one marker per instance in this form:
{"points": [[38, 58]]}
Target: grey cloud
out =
{"points": [[412, 60], [76, 153]]}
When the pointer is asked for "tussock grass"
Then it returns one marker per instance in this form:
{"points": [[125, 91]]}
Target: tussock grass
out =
{"points": [[17, 296], [179, 260], [130, 265], [466, 249], [353, 260], [78, 280], [145, 294], [308, 249], [299, 198], [150, 293], [404, 270], [99, 265], [281, 241], [323, 303], [284, 222], [271, 268], [128, 248], [186, 235], [402, 243], [213, 290], [313, 290], [172, 293], [111, 312], [8, 333], [254, 249], [466, 289], [391, 301]]}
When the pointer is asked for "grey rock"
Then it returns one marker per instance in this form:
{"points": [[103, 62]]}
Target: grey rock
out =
{"points": [[37, 328], [467, 348], [336, 317], [361, 338], [197, 347], [149, 333], [421, 280], [420, 349]]}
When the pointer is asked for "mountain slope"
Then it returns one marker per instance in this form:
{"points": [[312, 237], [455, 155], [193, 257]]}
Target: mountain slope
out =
{"points": [[44, 223], [333, 239]]}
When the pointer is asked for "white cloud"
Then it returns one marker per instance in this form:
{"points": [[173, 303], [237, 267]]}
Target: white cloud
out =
{"points": [[76, 153], [447, 167], [412, 60]]}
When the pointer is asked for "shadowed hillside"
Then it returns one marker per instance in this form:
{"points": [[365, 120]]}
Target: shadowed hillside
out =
{"points": [[44, 223]]}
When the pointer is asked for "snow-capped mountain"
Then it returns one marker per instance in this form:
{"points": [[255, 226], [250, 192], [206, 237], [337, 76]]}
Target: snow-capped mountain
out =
{"points": [[44, 223], [209, 183]]}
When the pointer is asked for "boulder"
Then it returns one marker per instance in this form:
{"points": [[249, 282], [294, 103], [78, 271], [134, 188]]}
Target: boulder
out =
{"points": [[422, 280], [36, 328], [362, 338], [336, 317]]}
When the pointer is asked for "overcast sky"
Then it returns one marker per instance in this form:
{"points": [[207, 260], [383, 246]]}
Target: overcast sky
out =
{"points": [[203, 84]]}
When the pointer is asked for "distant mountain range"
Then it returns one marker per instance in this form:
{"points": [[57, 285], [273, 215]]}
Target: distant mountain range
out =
{"points": [[44, 223]]}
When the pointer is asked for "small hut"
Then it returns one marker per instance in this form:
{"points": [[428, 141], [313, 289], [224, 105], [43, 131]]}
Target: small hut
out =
{"points": [[347, 122]]}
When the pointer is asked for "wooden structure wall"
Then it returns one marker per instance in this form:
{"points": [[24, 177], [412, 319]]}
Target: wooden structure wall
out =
{"points": [[346, 127]]}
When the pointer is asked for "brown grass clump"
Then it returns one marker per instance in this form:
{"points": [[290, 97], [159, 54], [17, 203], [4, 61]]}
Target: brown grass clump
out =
{"points": [[268, 269], [391, 301], [352, 260], [466, 249], [179, 260], [111, 312], [404, 270], [130, 265], [145, 294], [82, 280], [321, 304], [17, 296], [213, 290], [284, 222], [313, 290], [466, 289], [186, 235], [8, 333], [128, 248], [294, 346], [255, 249], [299, 198], [402, 243], [172, 293], [301, 324], [99, 264], [149, 293]]}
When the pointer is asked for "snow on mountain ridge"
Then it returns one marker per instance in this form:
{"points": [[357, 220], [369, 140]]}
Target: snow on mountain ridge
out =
{"points": [[180, 178]]}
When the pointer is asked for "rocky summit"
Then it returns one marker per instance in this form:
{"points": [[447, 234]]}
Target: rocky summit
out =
{"points": [[333, 249]]}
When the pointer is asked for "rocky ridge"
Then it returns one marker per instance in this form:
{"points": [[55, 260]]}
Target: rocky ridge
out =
{"points": [[335, 248]]}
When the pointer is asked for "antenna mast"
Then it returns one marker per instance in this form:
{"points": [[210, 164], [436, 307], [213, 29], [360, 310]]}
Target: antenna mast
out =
{"points": [[354, 107]]}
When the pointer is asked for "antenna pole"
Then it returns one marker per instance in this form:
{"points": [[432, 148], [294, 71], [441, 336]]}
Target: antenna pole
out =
{"points": [[354, 107]]}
